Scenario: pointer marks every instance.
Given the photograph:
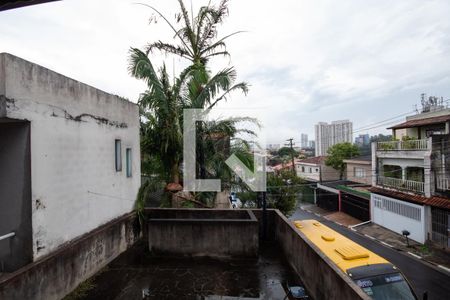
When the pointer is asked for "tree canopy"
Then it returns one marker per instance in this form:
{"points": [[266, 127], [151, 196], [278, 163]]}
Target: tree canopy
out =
{"points": [[337, 153], [162, 103], [286, 151]]}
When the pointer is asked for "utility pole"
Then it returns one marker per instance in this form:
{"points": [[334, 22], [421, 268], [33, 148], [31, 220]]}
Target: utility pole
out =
{"points": [[291, 145]]}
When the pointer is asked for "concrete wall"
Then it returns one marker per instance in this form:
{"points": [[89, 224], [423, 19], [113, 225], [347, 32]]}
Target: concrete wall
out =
{"points": [[314, 175], [367, 176], [322, 278], [328, 173], [209, 232], [15, 195], [57, 274], [75, 187]]}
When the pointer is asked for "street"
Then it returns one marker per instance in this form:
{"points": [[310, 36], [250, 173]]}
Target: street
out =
{"points": [[422, 277]]}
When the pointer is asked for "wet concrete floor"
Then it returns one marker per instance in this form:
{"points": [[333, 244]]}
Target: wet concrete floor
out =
{"points": [[136, 274]]}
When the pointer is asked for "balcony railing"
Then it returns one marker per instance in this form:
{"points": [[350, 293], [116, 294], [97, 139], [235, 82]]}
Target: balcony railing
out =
{"points": [[403, 145], [443, 183], [402, 184]]}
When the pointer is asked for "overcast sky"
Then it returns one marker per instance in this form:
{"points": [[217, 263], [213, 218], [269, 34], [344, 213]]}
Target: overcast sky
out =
{"points": [[306, 61]]}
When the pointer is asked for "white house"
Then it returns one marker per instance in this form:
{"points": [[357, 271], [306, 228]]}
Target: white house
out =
{"points": [[411, 176], [69, 157], [314, 169]]}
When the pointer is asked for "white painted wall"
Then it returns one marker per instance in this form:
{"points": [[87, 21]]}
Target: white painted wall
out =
{"points": [[75, 187], [310, 171], [398, 222]]}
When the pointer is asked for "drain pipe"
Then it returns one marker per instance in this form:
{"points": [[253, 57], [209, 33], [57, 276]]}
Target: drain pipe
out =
{"points": [[363, 223], [6, 236]]}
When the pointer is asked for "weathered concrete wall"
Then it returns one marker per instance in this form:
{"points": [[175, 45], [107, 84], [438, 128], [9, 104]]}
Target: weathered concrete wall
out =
{"points": [[75, 187], [54, 276], [15, 195], [323, 279], [366, 176], [209, 232]]}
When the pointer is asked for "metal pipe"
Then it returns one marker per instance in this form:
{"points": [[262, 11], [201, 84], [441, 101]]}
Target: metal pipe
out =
{"points": [[363, 223], [8, 235]]}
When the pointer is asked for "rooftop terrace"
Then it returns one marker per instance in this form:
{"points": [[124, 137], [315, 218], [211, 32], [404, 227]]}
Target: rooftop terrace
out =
{"points": [[184, 254], [137, 271]]}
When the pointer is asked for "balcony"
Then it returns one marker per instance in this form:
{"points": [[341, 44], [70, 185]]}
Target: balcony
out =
{"points": [[402, 184], [417, 145], [443, 183]]}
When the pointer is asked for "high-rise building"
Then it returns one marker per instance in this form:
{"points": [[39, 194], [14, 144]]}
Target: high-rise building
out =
{"points": [[328, 135], [362, 140], [304, 140], [312, 144]]}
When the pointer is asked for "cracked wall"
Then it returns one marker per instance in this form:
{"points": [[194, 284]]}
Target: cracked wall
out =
{"points": [[74, 185]]}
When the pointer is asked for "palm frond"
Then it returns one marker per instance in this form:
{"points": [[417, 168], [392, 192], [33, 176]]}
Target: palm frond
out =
{"points": [[240, 86]]}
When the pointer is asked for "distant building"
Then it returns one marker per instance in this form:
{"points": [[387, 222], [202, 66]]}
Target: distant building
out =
{"points": [[328, 135], [273, 147], [312, 144], [313, 169], [304, 140], [362, 140]]}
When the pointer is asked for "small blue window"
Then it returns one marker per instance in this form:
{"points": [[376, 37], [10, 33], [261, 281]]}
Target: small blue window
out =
{"points": [[128, 155]]}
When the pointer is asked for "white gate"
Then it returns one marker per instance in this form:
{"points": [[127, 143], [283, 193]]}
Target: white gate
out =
{"points": [[398, 215]]}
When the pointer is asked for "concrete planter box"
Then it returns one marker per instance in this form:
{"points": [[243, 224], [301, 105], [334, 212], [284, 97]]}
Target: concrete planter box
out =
{"points": [[203, 232]]}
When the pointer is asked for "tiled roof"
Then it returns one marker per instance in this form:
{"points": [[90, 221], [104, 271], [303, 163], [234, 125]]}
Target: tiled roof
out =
{"points": [[313, 160], [434, 201], [422, 122], [367, 158], [284, 165]]}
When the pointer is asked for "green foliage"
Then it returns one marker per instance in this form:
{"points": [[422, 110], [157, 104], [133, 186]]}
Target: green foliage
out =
{"points": [[337, 153], [381, 138], [282, 191], [162, 104], [82, 290], [287, 151], [248, 199], [197, 37], [386, 146], [147, 189], [273, 161], [408, 142]]}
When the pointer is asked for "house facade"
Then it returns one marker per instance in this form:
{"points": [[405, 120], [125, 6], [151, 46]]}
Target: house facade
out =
{"points": [[70, 159], [359, 169], [314, 169], [411, 176]]}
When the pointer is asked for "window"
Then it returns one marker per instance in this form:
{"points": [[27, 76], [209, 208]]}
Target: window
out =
{"points": [[310, 170], [118, 151], [303, 169], [128, 157], [359, 172]]}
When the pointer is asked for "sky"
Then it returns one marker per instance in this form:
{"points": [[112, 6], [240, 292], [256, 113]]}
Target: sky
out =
{"points": [[305, 61]]}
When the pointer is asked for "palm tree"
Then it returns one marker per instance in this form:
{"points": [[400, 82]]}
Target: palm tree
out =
{"points": [[197, 37], [161, 108], [222, 138], [162, 103]]}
